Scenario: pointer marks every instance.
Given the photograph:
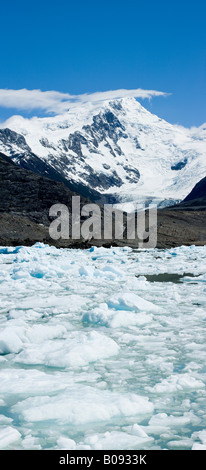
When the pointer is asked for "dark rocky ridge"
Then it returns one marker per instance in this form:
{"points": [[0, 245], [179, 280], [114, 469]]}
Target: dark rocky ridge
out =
{"points": [[25, 200], [198, 192], [25, 193], [196, 199]]}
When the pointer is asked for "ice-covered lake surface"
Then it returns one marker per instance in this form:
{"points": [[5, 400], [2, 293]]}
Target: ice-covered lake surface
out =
{"points": [[102, 348]]}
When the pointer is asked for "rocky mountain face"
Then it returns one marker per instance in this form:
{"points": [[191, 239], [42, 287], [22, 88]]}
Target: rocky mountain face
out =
{"points": [[113, 151], [26, 194], [21, 154]]}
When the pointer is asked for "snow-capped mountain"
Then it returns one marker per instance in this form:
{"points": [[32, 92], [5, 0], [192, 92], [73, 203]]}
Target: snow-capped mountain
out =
{"points": [[116, 148]]}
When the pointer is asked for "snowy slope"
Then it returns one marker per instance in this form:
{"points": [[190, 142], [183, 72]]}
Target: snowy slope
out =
{"points": [[117, 148]]}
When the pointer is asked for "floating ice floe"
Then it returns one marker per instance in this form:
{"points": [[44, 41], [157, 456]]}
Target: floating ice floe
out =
{"points": [[9, 437], [132, 302]]}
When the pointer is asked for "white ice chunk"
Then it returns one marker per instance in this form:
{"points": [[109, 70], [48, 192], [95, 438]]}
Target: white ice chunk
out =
{"points": [[162, 419], [176, 383], [180, 444], [77, 350], [30, 382], [5, 420], [64, 443], [9, 341], [31, 443], [40, 333], [137, 430], [200, 435], [95, 406], [117, 440], [130, 301], [115, 318], [8, 436], [197, 446]]}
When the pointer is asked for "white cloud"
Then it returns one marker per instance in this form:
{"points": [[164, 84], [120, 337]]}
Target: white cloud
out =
{"points": [[32, 99], [56, 102]]}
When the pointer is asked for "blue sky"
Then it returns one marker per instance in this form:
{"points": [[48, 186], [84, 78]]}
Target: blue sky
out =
{"points": [[88, 46]]}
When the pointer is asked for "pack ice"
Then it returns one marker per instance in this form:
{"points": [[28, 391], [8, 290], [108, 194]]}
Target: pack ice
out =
{"points": [[97, 351]]}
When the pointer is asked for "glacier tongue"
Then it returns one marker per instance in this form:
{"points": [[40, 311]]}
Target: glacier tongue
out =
{"points": [[117, 148]]}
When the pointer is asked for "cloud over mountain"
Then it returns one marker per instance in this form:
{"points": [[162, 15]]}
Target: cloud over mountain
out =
{"points": [[57, 102]]}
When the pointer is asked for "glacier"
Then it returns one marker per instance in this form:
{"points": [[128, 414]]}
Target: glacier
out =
{"points": [[102, 348]]}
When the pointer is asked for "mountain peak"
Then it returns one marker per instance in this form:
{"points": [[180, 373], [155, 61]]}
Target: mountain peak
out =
{"points": [[114, 146]]}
